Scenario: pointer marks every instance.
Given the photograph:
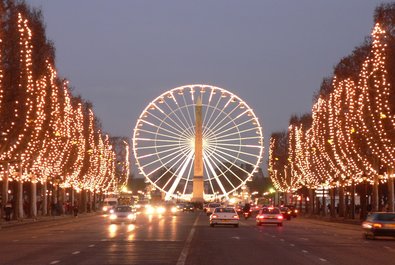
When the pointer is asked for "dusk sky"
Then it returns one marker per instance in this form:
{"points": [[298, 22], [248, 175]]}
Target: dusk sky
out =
{"points": [[120, 55]]}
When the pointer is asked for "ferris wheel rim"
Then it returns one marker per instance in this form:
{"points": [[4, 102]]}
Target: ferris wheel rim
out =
{"points": [[231, 95]]}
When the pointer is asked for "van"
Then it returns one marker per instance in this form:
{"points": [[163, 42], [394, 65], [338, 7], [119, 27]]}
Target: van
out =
{"points": [[109, 204]]}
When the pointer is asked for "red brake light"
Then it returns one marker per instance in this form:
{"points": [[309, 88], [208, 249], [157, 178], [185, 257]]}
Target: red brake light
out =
{"points": [[261, 216], [236, 216], [214, 216], [280, 217]]}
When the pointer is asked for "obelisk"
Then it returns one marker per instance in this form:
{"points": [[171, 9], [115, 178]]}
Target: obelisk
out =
{"points": [[197, 195]]}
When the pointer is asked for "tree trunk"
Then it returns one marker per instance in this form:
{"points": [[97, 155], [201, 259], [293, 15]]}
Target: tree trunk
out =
{"points": [[391, 189], [352, 208], [341, 206], [19, 200], [375, 199], [33, 200], [45, 198]]}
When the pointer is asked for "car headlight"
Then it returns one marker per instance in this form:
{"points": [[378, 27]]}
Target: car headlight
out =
{"points": [[160, 210], [105, 208], [113, 217], [149, 210], [174, 209], [131, 216], [112, 211]]}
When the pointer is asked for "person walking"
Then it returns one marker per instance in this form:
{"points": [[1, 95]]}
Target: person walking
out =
{"points": [[8, 210], [75, 209]]}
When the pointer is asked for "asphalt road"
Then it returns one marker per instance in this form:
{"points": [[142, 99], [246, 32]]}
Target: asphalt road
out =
{"points": [[187, 239]]}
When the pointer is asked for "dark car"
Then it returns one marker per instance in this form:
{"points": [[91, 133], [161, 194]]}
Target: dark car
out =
{"points": [[294, 211], [188, 207], [379, 224], [286, 212]]}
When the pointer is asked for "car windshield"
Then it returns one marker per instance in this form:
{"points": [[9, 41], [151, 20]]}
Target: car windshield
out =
{"points": [[215, 205], [270, 210], [385, 217], [112, 203], [224, 210], [123, 209]]}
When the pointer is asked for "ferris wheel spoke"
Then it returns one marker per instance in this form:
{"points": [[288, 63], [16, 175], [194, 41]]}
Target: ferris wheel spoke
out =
{"points": [[210, 166], [157, 127], [221, 132], [161, 146], [222, 172], [186, 162], [155, 133], [178, 131], [188, 178], [239, 133], [236, 158], [230, 120], [238, 139], [211, 110], [208, 174], [237, 151], [177, 148], [185, 126], [175, 154], [190, 121], [226, 115]]}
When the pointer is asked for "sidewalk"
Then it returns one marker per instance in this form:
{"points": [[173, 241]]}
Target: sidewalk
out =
{"points": [[6, 224], [332, 219]]}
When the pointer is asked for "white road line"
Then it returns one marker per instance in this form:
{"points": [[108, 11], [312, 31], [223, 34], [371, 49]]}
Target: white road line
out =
{"points": [[184, 252], [273, 236], [15, 240], [291, 245], [305, 251], [104, 239], [282, 240], [321, 259], [55, 262], [76, 252], [91, 246]]}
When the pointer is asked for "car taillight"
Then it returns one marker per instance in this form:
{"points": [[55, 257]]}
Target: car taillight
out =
{"points": [[261, 216], [214, 216], [235, 216], [280, 217], [296, 211]]}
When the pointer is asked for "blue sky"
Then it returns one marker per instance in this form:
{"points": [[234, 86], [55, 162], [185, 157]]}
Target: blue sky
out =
{"points": [[122, 54]]}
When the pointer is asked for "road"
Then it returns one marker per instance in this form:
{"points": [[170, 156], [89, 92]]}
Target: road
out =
{"points": [[186, 239]]}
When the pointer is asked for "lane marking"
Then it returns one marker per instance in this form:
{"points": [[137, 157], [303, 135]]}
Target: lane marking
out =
{"points": [[55, 262], [184, 252], [321, 259], [76, 252], [104, 239], [291, 245], [282, 240], [305, 251], [91, 246], [15, 240]]}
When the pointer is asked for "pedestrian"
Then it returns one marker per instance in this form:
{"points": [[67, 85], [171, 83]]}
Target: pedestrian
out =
{"points": [[75, 209], [8, 210]]}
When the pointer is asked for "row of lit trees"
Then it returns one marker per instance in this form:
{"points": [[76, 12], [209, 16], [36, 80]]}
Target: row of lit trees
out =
{"points": [[350, 136], [46, 134]]}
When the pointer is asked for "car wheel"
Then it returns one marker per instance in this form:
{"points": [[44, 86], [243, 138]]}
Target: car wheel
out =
{"points": [[258, 224], [236, 225], [280, 224], [212, 225]]}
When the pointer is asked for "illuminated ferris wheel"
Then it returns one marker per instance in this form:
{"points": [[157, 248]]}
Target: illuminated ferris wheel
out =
{"points": [[164, 141]]}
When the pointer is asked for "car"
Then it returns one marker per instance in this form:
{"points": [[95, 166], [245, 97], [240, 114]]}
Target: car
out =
{"points": [[188, 207], [286, 212], [294, 211], [109, 204], [211, 207], [269, 215], [379, 224], [224, 216], [123, 214]]}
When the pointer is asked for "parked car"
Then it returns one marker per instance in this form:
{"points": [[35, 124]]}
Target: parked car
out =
{"points": [[379, 224], [211, 207], [269, 215], [123, 214], [224, 216]]}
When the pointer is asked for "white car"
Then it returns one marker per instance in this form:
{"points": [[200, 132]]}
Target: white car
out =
{"points": [[224, 216], [211, 207], [270, 215], [123, 214]]}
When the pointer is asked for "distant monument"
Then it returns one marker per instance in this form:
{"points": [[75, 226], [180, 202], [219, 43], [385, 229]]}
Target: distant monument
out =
{"points": [[197, 195]]}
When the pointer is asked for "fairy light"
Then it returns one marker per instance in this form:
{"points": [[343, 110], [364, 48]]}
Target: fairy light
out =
{"points": [[374, 112]]}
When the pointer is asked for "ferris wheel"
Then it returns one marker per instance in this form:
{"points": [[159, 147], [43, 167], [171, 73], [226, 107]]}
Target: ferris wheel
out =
{"points": [[164, 141]]}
